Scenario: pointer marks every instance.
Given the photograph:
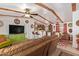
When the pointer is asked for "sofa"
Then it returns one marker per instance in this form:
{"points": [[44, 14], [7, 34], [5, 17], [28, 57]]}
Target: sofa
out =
{"points": [[4, 41]]}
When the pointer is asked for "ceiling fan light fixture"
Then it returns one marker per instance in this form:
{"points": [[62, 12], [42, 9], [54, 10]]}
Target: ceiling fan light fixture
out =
{"points": [[27, 15], [27, 12]]}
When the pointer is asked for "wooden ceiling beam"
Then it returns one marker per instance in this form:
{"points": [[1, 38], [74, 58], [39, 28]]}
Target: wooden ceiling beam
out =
{"points": [[6, 9], [49, 9]]}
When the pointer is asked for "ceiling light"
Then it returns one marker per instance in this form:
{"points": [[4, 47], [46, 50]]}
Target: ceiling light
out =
{"points": [[27, 12], [27, 15], [31, 6], [23, 6]]}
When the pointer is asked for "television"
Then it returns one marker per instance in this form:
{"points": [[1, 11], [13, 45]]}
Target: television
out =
{"points": [[16, 29]]}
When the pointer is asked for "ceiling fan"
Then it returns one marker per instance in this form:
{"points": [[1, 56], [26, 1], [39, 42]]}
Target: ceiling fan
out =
{"points": [[28, 13]]}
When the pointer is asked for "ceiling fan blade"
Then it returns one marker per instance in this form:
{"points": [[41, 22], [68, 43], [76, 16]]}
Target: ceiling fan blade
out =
{"points": [[34, 14], [31, 17]]}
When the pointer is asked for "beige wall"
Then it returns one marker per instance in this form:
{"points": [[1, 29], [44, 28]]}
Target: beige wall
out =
{"points": [[75, 28], [10, 20]]}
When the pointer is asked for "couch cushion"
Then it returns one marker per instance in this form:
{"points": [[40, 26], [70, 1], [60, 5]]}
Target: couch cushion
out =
{"points": [[2, 38], [5, 43]]}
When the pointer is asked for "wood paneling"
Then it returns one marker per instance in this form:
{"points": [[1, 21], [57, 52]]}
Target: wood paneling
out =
{"points": [[6, 9]]}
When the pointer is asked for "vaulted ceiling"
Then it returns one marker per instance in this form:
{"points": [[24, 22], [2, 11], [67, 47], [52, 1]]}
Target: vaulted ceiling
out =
{"points": [[63, 10]]}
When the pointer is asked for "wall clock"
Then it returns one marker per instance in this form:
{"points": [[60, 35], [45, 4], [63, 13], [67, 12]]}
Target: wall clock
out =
{"points": [[26, 21], [77, 22], [70, 30], [1, 23], [70, 24], [32, 26], [16, 21]]}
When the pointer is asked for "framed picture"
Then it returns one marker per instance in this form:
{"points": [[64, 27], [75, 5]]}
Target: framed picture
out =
{"points": [[70, 24], [16, 21], [26, 21], [32, 26], [77, 22], [70, 30], [1, 23]]}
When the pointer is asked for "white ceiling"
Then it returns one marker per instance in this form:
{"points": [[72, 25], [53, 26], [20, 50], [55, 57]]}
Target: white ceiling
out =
{"points": [[62, 9]]}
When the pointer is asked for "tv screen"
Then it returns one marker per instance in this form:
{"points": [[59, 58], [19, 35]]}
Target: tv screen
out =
{"points": [[16, 29]]}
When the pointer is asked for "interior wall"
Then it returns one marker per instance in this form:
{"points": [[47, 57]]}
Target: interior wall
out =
{"points": [[75, 28], [28, 30], [10, 20], [4, 28]]}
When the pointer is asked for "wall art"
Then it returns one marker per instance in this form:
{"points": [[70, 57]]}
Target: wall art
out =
{"points": [[1, 23], [16, 21]]}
